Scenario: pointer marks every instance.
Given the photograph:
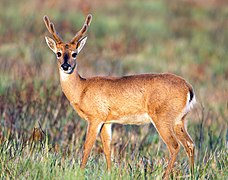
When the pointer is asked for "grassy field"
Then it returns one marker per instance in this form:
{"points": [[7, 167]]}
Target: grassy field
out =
{"points": [[41, 137]]}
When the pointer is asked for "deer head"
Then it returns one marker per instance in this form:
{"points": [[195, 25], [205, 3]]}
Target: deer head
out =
{"points": [[66, 53]]}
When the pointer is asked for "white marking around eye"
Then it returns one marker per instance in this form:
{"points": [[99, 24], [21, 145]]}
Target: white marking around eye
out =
{"points": [[73, 53], [60, 52]]}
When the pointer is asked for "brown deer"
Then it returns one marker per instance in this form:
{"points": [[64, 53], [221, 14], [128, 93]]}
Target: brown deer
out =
{"points": [[161, 99]]}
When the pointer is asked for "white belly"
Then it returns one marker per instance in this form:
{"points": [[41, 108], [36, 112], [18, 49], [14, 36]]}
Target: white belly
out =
{"points": [[137, 119]]}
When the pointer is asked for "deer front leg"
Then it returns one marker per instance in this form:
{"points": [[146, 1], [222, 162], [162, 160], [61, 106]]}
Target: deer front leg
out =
{"points": [[106, 137], [92, 131]]}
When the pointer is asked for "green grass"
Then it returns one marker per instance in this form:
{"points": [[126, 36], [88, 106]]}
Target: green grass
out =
{"points": [[124, 38]]}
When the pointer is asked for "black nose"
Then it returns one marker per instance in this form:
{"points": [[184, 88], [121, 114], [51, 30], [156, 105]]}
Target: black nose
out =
{"points": [[65, 66]]}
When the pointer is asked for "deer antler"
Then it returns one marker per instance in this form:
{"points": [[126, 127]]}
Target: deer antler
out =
{"points": [[83, 30], [51, 28]]}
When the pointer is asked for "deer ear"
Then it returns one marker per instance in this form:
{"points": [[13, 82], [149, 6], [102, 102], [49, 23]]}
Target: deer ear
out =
{"points": [[51, 44], [81, 43]]}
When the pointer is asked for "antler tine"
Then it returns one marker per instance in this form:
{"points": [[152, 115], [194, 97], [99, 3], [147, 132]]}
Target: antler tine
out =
{"points": [[88, 19], [83, 30], [51, 28]]}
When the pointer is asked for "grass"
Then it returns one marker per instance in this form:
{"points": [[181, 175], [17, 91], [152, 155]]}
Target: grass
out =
{"points": [[41, 137]]}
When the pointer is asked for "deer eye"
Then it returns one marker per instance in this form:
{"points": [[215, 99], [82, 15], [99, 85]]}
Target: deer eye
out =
{"points": [[74, 55], [58, 54]]}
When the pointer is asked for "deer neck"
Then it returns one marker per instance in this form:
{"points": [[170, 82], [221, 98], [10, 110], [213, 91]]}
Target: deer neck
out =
{"points": [[72, 85]]}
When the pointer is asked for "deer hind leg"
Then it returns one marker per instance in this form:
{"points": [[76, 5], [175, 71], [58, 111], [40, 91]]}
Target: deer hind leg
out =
{"points": [[106, 133], [185, 140], [168, 136], [92, 131]]}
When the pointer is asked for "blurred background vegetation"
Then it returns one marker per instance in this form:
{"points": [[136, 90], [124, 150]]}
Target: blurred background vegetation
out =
{"points": [[188, 38]]}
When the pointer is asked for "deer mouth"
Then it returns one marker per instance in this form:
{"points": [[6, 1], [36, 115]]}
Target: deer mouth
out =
{"points": [[67, 68]]}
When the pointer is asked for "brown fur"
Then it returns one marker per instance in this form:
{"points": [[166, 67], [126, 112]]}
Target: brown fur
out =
{"points": [[159, 98]]}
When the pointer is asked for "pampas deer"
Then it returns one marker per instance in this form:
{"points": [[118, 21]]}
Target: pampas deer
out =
{"points": [[161, 99]]}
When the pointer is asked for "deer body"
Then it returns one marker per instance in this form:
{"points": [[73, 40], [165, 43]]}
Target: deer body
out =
{"points": [[161, 99], [125, 99]]}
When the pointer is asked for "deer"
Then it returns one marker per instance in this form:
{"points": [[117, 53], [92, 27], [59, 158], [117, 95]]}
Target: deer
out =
{"points": [[162, 99]]}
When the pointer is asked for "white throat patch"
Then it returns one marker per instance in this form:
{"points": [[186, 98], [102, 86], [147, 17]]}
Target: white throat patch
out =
{"points": [[63, 76]]}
